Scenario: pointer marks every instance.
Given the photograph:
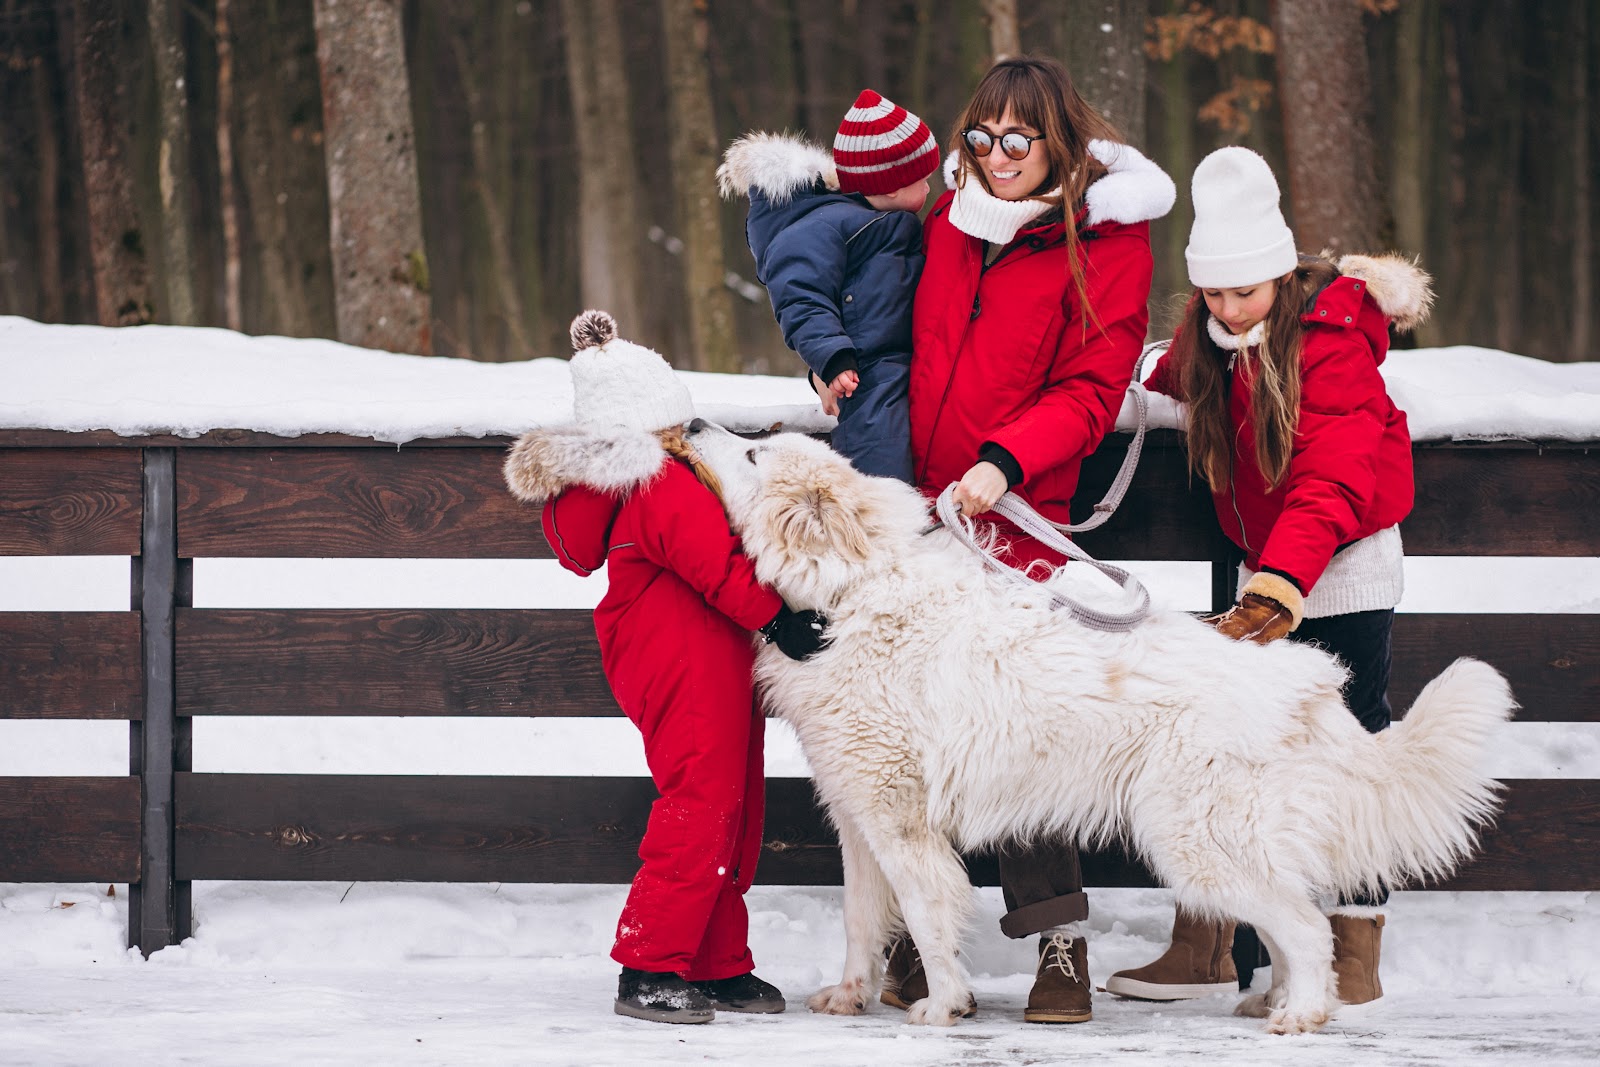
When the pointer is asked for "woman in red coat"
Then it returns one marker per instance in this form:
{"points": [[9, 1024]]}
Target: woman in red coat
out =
{"points": [[1309, 464], [1029, 317], [622, 490]]}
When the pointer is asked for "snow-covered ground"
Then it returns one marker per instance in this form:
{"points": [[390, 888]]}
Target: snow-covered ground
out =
{"points": [[425, 974]]}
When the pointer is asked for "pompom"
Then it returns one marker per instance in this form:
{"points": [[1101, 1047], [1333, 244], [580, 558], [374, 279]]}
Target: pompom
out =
{"points": [[592, 329]]}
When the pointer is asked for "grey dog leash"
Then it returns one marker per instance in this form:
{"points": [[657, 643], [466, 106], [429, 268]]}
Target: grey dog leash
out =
{"points": [[1052, 534]]}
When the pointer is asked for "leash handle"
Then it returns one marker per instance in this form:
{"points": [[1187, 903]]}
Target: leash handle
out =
{"points": [[1046, 532]]}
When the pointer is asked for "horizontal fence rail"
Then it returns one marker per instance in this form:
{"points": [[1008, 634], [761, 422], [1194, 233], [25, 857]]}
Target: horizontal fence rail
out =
{"points": [[166, 501]]}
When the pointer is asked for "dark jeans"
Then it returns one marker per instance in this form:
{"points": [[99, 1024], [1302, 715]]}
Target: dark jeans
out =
{"points": [[1361, 641], [1043, 887]]}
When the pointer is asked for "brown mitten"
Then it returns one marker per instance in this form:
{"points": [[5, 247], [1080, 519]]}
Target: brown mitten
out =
{"points": [[1269, 607]]}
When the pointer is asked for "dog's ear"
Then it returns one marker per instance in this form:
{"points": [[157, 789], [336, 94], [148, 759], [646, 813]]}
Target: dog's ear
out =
{"points": [[815, 516]]}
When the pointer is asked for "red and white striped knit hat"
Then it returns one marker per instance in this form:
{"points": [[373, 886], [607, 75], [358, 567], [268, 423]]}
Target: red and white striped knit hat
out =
{"points": [[881, 147]]}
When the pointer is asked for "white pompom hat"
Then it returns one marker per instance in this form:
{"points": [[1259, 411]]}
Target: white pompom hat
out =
{"points": [[619, 385], [1239, 236]]}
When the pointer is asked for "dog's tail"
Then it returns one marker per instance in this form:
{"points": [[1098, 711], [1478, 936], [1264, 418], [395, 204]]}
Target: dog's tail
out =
{"points": [[1425, 795]]}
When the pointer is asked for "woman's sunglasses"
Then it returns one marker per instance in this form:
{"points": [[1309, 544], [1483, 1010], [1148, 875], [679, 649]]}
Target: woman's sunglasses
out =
{"points": [[1014, 145]]}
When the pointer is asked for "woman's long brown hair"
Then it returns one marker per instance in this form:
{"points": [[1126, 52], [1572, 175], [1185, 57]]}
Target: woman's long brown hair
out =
{"points": [[1274, 371], [672, 441], [1040, 94]]}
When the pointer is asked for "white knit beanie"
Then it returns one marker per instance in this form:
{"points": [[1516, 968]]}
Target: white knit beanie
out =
{"points": [[620, 385], [1239, 236]]}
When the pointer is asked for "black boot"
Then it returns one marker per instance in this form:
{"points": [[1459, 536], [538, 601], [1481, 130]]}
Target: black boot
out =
{"points": [[744, 992], [661, 998]]}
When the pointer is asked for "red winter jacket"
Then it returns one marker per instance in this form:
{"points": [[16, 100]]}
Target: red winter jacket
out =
{"points": [[1005, 354], [682, 598], [1350, 471]]}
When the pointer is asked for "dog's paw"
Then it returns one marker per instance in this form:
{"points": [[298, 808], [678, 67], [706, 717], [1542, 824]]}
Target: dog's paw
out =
{"points": [[1296, 1022], [1253, 1007], [846, 998], [926, 1012]]}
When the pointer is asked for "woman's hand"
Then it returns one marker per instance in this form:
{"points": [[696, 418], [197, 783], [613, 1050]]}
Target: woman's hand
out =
{"points": [[980, 488]]}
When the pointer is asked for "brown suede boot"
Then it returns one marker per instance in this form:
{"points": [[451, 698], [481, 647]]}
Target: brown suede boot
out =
{"points": [[1356, 943], [1061, 992], [1198, 963], [904, 980]]}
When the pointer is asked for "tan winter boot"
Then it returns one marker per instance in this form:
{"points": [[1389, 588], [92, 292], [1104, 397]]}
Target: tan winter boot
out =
{"points": [[1198, 963], [904, 980], [1356, 943], [1061, 992]]}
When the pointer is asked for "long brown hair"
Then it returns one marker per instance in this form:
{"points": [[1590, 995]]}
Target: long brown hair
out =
{"points": [[1274, 374], [1040, 94], [672, 441]]}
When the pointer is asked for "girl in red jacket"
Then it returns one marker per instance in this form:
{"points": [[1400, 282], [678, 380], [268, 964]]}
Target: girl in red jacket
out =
{"points": [[1309, 464], [621, 489], [1029, 316]]}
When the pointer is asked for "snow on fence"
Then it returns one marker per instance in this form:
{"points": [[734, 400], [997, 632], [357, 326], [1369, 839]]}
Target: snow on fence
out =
{"points": [[166, 501]]}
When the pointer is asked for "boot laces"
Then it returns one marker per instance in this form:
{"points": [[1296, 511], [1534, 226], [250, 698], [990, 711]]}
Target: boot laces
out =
{"points": [[1058, 954]]}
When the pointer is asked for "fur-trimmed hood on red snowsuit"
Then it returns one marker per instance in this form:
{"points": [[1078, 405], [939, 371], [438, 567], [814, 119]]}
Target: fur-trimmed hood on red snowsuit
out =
{"points": [[616, 498], [1004, 353], [1350, 470]]}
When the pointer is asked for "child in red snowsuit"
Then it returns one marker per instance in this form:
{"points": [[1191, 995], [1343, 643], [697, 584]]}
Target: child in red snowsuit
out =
{"points": [[620, 489]]}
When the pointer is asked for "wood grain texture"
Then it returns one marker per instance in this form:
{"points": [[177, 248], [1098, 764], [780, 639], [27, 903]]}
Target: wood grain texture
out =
{"points": [[69, 829], [1162, 517], [428, 503], [1505, 502], [1551, 661], [70, 665], [419, 662], [432, 828], [70, 502]]}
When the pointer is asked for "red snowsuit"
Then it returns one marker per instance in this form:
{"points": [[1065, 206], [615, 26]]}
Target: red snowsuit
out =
{"points": [[1350, 469], [1004, 354], [674, 629]]}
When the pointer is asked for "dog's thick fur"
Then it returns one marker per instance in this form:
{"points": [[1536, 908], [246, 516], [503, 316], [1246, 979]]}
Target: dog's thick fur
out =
{"points": [[955, 710]]}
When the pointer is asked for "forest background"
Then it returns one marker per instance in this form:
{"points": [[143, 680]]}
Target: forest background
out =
{"points": [[459, 177]]}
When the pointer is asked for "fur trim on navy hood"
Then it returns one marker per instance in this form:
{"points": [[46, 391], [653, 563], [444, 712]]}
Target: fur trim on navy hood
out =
{"points": [[543, 463]]}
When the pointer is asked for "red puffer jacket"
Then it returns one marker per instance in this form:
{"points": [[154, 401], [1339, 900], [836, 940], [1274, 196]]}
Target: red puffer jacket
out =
{"points": [[1350, 470], [1005, 354], [681, 596]]}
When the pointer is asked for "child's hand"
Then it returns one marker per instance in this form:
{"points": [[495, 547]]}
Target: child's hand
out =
{"points": [[844, 384]]}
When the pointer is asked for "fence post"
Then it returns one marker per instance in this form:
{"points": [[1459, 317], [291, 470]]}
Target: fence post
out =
{"points": [[158, 913]]}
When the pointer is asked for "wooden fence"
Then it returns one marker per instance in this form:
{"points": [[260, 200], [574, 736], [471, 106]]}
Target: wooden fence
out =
{"points": [[167, 501]]}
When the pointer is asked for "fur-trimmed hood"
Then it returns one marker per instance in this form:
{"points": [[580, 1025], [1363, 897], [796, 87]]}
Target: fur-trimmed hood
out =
{"points": [[1133, 189], [1402, 290], [543, 463], [777, 165]]}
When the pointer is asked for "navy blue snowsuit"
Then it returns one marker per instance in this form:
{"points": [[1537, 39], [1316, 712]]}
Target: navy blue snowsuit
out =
{"points": [[842, 277]]}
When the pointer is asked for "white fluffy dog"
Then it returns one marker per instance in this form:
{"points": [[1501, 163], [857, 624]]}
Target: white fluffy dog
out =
{"points": [[955, 710]]}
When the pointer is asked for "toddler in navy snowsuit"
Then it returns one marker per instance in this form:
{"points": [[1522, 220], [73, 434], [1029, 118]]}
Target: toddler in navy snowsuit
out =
{"points": [[838, 245]]}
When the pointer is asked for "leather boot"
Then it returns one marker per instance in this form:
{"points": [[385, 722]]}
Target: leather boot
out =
{"points": [[904, 980], [1356, 943], [1198, 963], [1060, 992]]}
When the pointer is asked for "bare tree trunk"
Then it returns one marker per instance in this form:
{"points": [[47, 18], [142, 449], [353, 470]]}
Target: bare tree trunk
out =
{"points": [[52, 297], [484, 168], [922, 58], [177, 238], [1179, 159], [1105, 53], [694, 153], [374, 206], [872, 31], [232, 315], [1583, 192], [1004, 39], [817, 44], [1323, 85], [116, 240], [1408, 173], [609, 245]]}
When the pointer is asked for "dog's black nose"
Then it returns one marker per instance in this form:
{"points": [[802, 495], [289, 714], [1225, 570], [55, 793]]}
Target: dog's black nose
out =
{"points": [[696, 425]]}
